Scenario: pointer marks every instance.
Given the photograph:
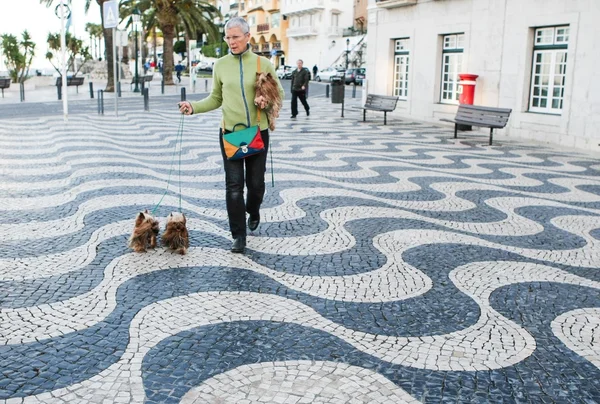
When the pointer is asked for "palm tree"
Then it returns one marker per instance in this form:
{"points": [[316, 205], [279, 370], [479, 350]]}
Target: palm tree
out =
{"points": [[194, 15], [108, 41], [96, 32]]}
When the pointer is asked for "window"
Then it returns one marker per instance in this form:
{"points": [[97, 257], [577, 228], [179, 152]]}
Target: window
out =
{"points": [[549, 69], [335, 18], [452, 57], [275, 19], [401, 64]]}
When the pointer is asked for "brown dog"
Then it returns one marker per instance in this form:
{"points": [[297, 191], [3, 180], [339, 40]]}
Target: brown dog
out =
{"points": [[144, 233], [266, 86], [176, 235]]}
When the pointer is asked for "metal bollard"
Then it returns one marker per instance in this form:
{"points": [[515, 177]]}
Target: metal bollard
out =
{"points": [[182, 93], [100, 102], [146, 94], [91, 89], [343, 106], [327, 91], [142, 83], [119, 89], [59, 90], [22, 91], [354, 91], [162, 86], [205, 86]]}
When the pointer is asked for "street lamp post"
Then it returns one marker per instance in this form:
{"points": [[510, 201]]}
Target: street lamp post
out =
{"points": [[136, 19], [63, 14], [347, 51], [221, 36]]}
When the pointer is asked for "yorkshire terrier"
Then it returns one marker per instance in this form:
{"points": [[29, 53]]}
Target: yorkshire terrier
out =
{"points": [[266, 86], [144, 233], [176, 235]]}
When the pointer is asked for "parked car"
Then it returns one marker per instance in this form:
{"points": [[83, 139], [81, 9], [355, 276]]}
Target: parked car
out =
{"points": [[355, 75], [360, 77], [284, 72], [329, 73]]}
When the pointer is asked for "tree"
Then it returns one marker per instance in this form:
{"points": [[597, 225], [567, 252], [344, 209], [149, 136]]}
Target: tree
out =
{"points": [[18, 55], [96, 33], [74, 48], [108, 42], [180, 48], [194, 15]]}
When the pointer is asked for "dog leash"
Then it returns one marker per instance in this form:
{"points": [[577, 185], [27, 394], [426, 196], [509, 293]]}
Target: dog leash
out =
{"points": [[271, 152], [178, 143]]}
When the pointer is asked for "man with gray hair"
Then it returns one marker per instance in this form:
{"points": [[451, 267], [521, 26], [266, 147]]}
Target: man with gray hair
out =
{"points": [[300, 79]]}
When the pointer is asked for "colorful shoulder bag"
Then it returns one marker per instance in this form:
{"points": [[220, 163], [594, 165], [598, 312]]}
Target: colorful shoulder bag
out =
{"points": [[246, 142]]}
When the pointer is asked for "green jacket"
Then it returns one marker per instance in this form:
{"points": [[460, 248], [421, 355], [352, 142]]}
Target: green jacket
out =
{"points": [[300, 78], [234, 77]]}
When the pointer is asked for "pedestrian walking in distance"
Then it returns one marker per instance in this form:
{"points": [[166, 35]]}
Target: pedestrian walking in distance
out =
{"points": [[300, 79], [178, 69]]}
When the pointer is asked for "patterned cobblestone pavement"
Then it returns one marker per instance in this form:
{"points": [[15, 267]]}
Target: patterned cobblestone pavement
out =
{"points": [[393, 264]]}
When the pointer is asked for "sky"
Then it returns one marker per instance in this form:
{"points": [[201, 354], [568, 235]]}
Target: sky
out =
{"points": [[39, 20]]}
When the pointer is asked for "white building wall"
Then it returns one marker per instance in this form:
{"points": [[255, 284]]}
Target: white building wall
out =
{"points": [[499, 48], [328, 44]]}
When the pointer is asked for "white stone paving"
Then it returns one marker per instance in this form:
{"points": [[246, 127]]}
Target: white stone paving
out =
{"points": [[298, 382], [328, 167]]}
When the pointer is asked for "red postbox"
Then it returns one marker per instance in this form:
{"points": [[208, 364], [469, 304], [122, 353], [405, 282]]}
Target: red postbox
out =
{"points": [[466, 88]]}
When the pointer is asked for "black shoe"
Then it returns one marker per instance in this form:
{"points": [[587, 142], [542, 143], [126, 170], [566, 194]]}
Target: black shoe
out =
{"points": [[307, 113], [239, 245], [253, 222], [293, 117]]}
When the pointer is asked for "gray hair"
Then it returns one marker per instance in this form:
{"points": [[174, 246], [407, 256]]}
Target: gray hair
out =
{"points": [[238, 22]]}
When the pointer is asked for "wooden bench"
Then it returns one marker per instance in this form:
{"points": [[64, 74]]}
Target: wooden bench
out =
{"points": [[71, 81], [142, 80], [4, 83], [485, 117], [382, 103]]}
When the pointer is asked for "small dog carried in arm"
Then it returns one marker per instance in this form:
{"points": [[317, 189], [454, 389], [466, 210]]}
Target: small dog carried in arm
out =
{"points": [[267, 88]]}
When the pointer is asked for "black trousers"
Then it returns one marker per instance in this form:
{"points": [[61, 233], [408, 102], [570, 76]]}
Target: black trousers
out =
{"points": [[255, 167], [302, 95]]}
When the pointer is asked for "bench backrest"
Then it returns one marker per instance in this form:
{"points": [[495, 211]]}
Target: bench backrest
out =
{"points": [[497, 117], [5, 83], [71, 81], [381, 101]]}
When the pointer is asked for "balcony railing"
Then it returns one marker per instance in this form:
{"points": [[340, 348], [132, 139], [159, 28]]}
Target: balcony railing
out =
{"points": [[262, 27], [335, 31], [255, 48], [395, 3], [276, 45], [308, 6], [306, 30], [264, 47]]}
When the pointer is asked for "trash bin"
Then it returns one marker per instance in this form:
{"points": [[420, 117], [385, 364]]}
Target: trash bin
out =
{"points": [[337, 90]]}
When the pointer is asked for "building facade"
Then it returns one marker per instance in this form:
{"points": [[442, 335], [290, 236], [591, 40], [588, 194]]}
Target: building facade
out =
{"points": [[316, 30], [538, 57], [267, 28]]}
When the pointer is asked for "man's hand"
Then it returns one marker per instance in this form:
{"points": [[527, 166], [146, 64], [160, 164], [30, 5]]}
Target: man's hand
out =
{"points": [[185, 107], [303, 87]]}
